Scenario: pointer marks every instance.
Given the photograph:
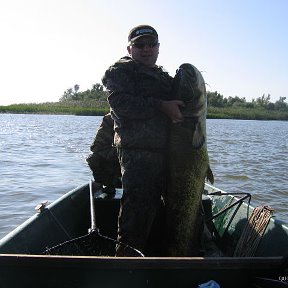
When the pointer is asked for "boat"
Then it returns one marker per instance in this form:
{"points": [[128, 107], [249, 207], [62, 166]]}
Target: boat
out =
{"points": [[242, 254]]}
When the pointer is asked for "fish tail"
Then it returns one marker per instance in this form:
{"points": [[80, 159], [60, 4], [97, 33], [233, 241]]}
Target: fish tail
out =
{"points": [[210, 175]]}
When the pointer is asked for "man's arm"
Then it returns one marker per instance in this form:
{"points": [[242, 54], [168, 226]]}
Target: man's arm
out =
{"points": [[171, 109]]}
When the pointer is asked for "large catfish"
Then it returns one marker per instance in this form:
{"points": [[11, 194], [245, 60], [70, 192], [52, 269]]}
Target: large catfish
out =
{"points": [[188, 165]]}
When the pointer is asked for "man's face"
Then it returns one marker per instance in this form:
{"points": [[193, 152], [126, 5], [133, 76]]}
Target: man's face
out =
{"points": [[145, 50]]}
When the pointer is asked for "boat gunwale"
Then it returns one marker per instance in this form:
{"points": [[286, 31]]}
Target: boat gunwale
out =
{"points": [[147, 263]]}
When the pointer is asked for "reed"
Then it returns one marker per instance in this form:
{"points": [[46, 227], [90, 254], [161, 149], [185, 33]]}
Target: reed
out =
{"points": [[246, 114], [99, 108], [93, 108]]}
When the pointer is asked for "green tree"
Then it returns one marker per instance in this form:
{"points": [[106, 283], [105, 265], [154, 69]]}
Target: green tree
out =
{"points": [[76, 88], [74, 94], [236, 101], [281, 105], [67, 95], [215, 99], [263, 101]]}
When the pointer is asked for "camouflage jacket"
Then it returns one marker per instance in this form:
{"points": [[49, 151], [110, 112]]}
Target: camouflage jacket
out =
{"points": [[103, 141], [135, 92], [103, 160]]}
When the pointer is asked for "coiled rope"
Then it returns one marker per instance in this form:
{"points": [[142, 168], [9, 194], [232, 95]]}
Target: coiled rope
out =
{"points": [[253, 232]]}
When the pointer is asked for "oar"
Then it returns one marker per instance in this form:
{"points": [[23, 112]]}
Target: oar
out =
{"points": [[92, 209], [94, 227]]}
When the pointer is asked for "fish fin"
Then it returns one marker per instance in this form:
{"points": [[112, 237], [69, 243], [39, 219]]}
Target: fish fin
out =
{"points": [[210, 175], [198, 137]]}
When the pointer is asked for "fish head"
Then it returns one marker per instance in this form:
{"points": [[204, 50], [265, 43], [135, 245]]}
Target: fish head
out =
{"points": [[189, 86]]}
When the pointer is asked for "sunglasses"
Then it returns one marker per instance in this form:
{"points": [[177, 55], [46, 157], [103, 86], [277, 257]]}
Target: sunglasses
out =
{"points": [[141, 45]]}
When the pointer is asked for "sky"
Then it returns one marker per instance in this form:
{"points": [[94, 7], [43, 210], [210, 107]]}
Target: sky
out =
{"points": [[48, 46]]}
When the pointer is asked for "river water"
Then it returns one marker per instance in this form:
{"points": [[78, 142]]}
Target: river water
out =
{"points": [[43, 156]]}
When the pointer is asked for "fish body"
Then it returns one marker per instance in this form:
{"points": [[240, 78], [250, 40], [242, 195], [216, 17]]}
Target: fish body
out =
{"points": [[188, 166]]}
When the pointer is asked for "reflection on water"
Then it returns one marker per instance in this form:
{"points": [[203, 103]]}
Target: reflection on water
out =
{"points": [[43, 156]]}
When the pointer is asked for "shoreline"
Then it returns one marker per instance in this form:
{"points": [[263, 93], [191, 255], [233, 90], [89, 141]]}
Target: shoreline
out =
{"points": [[100, 109]]}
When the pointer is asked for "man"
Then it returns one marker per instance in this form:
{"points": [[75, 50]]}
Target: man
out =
{"points": [[139, 98]]}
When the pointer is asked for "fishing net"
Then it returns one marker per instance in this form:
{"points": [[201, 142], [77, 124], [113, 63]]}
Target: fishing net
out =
{"points": [[91, 244]]}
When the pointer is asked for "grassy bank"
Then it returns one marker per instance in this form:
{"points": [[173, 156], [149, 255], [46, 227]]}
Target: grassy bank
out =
{"points": [[99, 108], [246, 114], [89, 108]]}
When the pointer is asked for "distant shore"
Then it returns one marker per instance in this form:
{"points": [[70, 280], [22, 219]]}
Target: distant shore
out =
{"points": [[100, 108]]}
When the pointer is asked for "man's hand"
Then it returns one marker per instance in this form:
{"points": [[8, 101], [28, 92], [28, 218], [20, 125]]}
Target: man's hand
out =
{"points": [[172, 110]]}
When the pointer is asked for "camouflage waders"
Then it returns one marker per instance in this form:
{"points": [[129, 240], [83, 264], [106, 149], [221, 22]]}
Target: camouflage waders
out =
{"points": [[143, 183]]}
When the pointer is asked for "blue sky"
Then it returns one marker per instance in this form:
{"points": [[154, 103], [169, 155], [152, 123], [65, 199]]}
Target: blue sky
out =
{"points": [[48, 46]]}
